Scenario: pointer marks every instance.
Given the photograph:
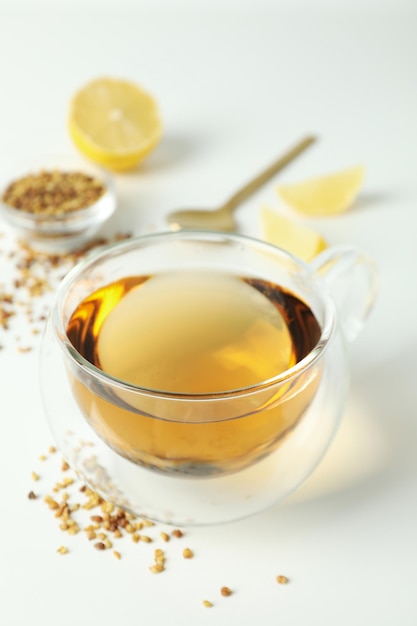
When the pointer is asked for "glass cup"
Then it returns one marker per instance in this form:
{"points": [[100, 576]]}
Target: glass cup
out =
{"points": [[200, 454]]}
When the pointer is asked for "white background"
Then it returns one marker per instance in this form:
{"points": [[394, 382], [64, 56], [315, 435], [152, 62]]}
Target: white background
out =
{"points": [[237, 83]]}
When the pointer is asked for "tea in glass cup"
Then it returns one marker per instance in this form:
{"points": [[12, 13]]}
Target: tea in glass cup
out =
{"points": [[194, 333], [207, 371]]}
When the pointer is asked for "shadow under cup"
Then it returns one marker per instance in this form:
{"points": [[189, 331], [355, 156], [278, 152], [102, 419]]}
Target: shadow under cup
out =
{"points": [[248, 447]]}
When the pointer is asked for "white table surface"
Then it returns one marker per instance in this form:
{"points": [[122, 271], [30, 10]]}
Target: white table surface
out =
{"points": [[236, 86]]}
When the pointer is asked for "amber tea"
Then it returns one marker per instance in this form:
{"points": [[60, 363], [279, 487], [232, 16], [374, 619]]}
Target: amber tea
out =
{"points": [[200, 337]]}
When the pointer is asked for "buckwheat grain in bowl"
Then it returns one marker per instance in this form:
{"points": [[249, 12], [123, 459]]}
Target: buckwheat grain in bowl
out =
{"points": [[56, 204]]}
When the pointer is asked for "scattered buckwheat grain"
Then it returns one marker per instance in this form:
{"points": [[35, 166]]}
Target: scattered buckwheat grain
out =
{"points": [[282, 580], [226, 591], [187, 553]]}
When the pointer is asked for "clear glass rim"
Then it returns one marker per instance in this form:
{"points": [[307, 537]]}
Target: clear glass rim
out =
{"points": [[114, 249]]}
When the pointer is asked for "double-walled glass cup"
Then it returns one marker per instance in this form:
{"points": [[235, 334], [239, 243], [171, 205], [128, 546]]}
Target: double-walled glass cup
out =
{"points": [[196, 457]]}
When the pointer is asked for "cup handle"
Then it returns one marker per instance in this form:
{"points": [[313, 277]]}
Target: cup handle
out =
{"points": [[352, 280]]}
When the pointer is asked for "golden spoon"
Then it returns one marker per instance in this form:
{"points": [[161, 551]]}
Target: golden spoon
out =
{"points": [[222, 218]]}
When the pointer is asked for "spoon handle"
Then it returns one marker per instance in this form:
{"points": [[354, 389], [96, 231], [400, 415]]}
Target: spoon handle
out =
{"points": [[264, 176]]}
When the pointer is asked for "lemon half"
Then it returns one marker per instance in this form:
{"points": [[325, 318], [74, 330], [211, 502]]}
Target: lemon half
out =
{"points": [[324, 195], [305, 243], [114, 123]]}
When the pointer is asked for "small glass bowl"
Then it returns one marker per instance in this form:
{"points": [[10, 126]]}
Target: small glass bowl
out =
{"points": [[58, 232]]}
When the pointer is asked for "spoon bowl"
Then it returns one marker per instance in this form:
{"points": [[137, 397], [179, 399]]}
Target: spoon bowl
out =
{"points": [[203, 219]]}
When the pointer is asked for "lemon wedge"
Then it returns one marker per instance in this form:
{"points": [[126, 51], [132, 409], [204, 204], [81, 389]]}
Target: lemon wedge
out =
{"points": [[114, 123], [286, 233], [324, 195]]}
